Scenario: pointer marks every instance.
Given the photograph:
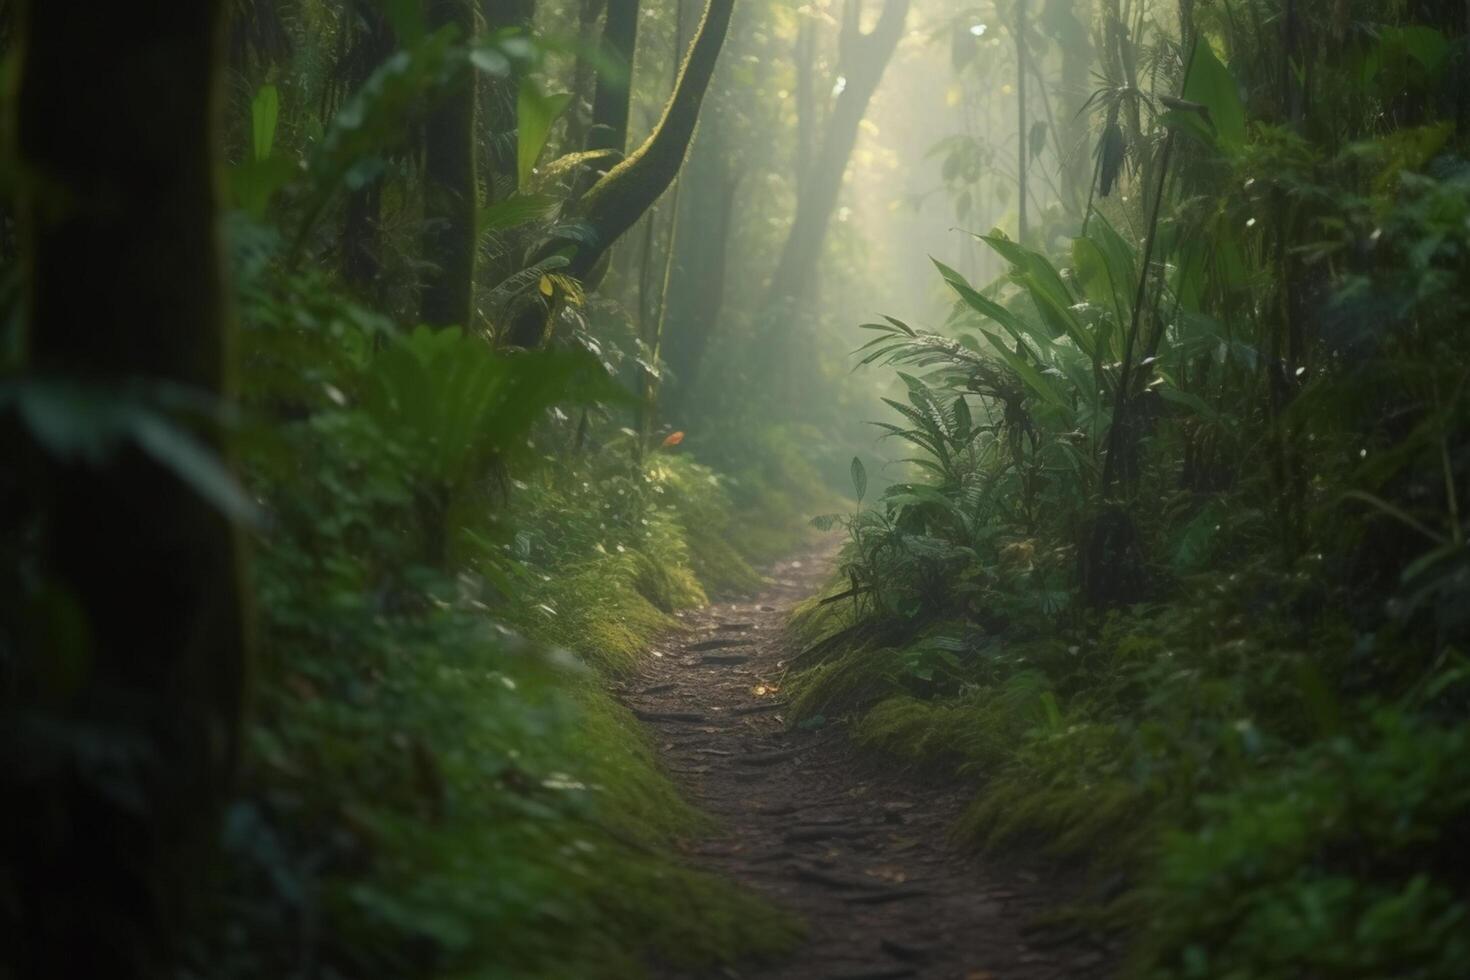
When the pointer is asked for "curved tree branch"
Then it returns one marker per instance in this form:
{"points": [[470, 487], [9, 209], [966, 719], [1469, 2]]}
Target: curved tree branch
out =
{"points": [[622, 196]]}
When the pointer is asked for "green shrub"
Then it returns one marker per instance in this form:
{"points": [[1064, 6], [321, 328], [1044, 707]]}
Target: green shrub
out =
{"points": [[429, 792], [1347, 861]]}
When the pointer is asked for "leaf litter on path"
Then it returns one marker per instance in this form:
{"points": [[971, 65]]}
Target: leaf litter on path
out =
{"points": [[862, 855]]}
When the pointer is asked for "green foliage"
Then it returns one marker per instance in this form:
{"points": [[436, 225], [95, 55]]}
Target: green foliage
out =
{"points": [[1333, 865], [535, 112], [1221, 120], [436, 791], [1176, 568]]}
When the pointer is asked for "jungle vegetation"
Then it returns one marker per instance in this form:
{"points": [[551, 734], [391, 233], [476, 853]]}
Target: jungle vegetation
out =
{"points": [[378, 378]]}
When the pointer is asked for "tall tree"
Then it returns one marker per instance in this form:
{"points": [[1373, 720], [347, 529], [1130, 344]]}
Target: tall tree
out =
{"points": [[584, 76], [697, 289], [1069, 30], [450, 190], [517, 16], [368, 41], [862, 59], [624, 194], [1023, 137], [806, 99], [121, 729], [686, 13], [613, 96]]}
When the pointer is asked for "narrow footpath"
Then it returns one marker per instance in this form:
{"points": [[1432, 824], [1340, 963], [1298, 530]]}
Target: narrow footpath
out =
{"points": [[858, 852]]}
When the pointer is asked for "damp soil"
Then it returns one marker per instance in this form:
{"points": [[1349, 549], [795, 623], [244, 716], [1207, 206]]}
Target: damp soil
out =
{"points": [[857, 849]]}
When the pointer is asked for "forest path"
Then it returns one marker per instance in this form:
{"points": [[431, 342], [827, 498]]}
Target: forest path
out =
{"points": [[860, 854]]}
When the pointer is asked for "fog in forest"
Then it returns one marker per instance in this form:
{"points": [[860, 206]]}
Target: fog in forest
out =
{"points": [[734, 489]]}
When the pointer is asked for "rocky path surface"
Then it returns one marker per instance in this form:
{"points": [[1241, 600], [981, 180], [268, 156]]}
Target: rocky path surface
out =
{"points": [[859, 853]]}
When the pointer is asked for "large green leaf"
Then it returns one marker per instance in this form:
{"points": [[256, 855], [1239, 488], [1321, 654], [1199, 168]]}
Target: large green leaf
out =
{"points": [[516, 211], [1027, 372], [1211, 85], [255, 181], [455, 401], [1107, 271], [989, 308], [1398, 47], [265, 111], [406, 17], [1035, 273], [535, 114]]}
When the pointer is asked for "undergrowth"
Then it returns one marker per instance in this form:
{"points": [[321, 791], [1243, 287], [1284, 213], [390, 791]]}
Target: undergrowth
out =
{"points": [[439, 782], [1178, 583]]}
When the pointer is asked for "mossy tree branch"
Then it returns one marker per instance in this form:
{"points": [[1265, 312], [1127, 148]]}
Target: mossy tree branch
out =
{"points": [[626, 192]]}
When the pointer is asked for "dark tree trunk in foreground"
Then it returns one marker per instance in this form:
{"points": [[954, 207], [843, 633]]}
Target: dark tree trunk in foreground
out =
{"points": [[861, 63], [121, 725], [450, 192]]}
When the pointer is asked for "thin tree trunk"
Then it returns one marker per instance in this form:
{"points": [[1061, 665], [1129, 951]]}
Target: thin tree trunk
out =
{"points": [[584, 77], [653, 341], [697, 298], [863, 59], [450, 191], [621, 197], [610, 103], [1076, 167], [1023, 139], [362, 238], [123, 759], [500, 113], [362, 244], [806, 105]]}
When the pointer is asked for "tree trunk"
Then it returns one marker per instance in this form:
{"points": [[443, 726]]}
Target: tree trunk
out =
{"points": [[861, 63], [450, 192], [501, 115], [584, 78], [649, 383], [621, 197], [806, 101], [697, 293], [1023, 137], [1076, 162], [610, 103], [122, 729], [362, 240]]}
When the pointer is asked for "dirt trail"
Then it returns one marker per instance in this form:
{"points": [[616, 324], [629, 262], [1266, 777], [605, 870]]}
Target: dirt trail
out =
{"points": [[860, 854]]}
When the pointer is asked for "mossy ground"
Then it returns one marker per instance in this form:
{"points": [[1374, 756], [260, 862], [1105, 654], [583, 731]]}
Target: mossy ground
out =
{"points": [[1146, 749], [491, 810]]}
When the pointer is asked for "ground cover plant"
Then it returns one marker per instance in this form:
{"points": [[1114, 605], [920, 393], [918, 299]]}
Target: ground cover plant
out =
{"points": [[387, 386], [1177, 572]]}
